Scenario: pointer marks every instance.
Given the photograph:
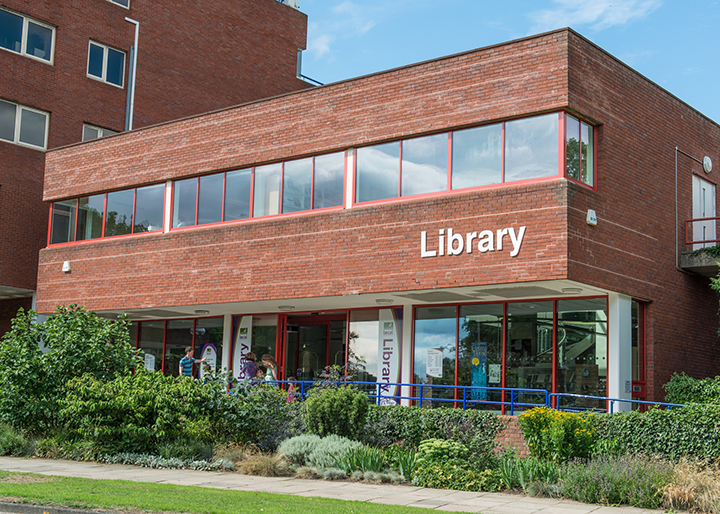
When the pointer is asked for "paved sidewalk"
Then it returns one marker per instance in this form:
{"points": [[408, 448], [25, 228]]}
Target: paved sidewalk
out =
{"points": [[439, 499]]}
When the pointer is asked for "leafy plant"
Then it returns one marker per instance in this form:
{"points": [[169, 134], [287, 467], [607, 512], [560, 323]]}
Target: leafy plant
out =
{"points": [[684, 389], [531, 469], [157, 462], [455, 474], [324, 455], [556, 435], [13, 442], [339, 411], [438, 450], [363, 458], [297, 449]]}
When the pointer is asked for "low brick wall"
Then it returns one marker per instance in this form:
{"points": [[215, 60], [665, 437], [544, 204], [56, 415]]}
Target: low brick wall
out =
{"points": [[511, 436]]}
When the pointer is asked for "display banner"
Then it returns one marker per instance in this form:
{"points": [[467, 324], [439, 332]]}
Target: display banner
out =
{"points": [[149, 362], [478, 371], [434, 367], [388, 357], [209, 353], [243, 343]]}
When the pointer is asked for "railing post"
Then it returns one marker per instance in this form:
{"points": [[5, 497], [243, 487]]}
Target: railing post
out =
{"points": [[464, 398], [512, 402]]}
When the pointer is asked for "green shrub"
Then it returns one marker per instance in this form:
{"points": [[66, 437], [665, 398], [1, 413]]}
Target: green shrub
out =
{"points": [[13, 442], [186, 449], [363, 458], [296, 449], [674, 434], [402, 460], [530, 470], [556, 435], [455, 474], [339, 411], [76, 342], [684, 389], [439, 450], [331, 448], [633, 480]]}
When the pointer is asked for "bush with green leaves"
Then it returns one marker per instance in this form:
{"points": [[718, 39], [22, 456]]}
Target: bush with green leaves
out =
{"points": [[296, 449], [74, 342], [455, 474], [684, 389], [631, 480], [363, 458], [556, 435], [336, 410], [439, 450], [675, 433], [13, 442], [316, 452]]}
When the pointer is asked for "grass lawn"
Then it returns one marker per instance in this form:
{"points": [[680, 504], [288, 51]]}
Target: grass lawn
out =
{"points": [[125, 495]]}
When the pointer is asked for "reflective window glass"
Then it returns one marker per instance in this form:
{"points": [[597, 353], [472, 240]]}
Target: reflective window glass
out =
{"points": [[329, 180], [424, 164], [572, 147], [477, 156], [210, 199], [184, 202], [297, 182], [266, 198], [7, 119], [378, 169], [152, 337], [237, 195], [480, 347], [529, 351], [582, 351], [587, 154], [11, 27], [62, 227], [179, 336], [115, 67], [90, 133], [90, 217], [124, 3], [119, 213], [39, 41], [434, 361], [95, 60], [531, 147], [32, 128], [149, 208], [264, 337]]}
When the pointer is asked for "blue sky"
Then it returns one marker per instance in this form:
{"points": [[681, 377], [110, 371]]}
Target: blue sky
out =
{"points": [[672, 42]]}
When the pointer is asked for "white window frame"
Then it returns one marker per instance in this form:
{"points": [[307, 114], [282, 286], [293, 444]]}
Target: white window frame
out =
{"points": [[104, 65], [102, 132], [18, 119], [116, 2], [24, 37]]}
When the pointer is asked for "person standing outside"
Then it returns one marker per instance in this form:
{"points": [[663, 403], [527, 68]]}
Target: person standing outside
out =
{"points": [[186, 363], [270, 368]]}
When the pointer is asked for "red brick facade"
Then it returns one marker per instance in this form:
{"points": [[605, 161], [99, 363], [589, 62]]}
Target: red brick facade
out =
{"points": [[375, 249], [193, 57]]}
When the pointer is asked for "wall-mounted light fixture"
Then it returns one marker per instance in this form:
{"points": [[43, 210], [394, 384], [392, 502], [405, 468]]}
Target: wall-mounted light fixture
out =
{"points": [[201, 312], [286, 307], [384, 301], [66, 267]]}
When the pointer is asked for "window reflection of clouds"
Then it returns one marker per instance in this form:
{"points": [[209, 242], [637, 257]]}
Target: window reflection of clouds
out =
{"points": [[433, 333], [424, 164], [377, 172], [531, 147], [329, 180], [366, 344], [477, 157]]}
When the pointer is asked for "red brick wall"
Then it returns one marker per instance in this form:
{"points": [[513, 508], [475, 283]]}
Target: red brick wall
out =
{"points": [[511, 436], [194, 57]]}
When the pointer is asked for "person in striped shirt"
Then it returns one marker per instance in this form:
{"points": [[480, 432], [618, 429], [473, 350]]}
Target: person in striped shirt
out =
{"points": [[186, 363]]}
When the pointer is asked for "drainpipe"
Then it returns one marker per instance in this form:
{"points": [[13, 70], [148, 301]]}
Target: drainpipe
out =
{"points": [[130, 108]]}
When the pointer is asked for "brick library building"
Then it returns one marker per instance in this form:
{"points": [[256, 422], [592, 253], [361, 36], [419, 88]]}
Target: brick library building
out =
{"points": [[518, 216]]}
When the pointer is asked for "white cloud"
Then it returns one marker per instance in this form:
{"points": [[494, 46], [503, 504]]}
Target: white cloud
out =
{"points": [[599, 14], [320, 45]]}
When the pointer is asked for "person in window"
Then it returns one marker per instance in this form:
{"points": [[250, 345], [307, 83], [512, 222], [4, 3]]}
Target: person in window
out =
{"points": [[250, 368], [270, 367], [187, 362]]}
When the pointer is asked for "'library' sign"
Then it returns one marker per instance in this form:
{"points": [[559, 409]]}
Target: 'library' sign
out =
{"points": [[455, 243]]}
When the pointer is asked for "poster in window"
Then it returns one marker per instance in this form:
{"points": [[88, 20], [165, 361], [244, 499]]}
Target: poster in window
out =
{"points": [[478, 371], [434, 362], [494, 373], [243, 340], [209, 353], [149, 362]]}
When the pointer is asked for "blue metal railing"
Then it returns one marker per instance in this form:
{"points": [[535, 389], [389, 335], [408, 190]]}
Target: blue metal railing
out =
{"points": [[462, 396]]}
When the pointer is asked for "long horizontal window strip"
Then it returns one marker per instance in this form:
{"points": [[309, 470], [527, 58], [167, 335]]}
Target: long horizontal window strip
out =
{"points": [[517, 150]]}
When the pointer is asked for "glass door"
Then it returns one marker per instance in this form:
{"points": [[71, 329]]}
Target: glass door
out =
{"points": [[314, 342]]}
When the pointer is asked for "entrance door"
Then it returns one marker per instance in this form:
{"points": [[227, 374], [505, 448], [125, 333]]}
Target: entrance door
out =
{"points": [[703, 207], [314, 342]]}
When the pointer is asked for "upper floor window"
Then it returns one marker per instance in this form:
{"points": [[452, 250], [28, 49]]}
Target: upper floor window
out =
{"points": [[23, 125], [26, 36], [93, 132], [579, 150], [106, 63], [124, 3]]}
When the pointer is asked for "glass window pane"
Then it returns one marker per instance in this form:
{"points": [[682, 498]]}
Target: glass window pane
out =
{"points": [[531, 148], [39, 42], [95, 60], [90, 133], [329, 180], [588, 154], [480, 360], [435, 354], [115, 66], [424, 164], [152, 336], [477, 157], [179, 336], [32, 128], [297, 180], [237, 195], [209, 343], [149, 208], [210, 199], [185, 192], [267, 190], [529, 352], [124, 3], [11, 26], [7, 120], [62, 228], [90, 217], [582, 351], [572, 147], [119, 212], [378, 170]]}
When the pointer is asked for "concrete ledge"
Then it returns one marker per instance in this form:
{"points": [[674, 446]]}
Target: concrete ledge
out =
{"points": [[702, 263]]}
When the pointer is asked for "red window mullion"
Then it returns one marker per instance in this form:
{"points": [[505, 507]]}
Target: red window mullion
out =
{"points": [[504, 333], [197, 200], [554, 351], [312, 186], [251, 214], [132, 225], [502, 159], [282, 184], [222, 213], [449, 165], [104, 215], [562, 144], [457, 348], [77, 218], [400, 170]]}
